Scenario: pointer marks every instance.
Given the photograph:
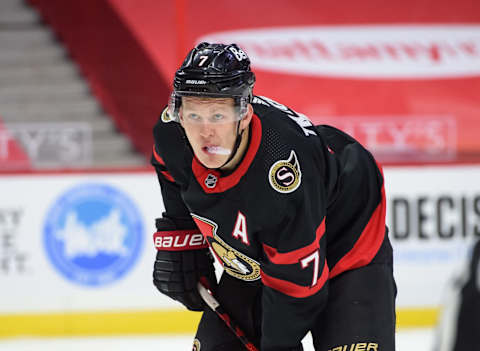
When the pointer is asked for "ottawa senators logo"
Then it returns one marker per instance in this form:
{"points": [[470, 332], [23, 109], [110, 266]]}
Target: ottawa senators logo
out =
{"points": [[165, 117], [233, 261], [285, 176], [196, 345]]}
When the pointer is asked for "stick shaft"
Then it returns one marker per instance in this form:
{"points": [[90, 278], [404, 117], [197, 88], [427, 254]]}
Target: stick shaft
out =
{"points": [[212, 302]]}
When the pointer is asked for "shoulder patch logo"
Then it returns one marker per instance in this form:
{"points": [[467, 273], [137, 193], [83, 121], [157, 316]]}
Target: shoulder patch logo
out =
{"points": [[285, 176], [165, 117], [196, 345]]}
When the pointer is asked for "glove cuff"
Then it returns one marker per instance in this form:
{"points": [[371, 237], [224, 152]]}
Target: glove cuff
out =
{"points": [[179, 240]]}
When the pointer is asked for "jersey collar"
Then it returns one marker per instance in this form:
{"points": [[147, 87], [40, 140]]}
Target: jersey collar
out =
{"points": [[211, 180]]}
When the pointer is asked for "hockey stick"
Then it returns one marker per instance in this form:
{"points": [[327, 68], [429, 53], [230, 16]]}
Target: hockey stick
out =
{"points": [[212, 302]]}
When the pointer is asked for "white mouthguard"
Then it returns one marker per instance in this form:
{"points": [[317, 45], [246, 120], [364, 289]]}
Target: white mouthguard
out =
{"points": [[218, 150]]}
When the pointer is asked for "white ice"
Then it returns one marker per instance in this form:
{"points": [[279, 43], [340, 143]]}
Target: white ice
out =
{"points": [[407, 340]]}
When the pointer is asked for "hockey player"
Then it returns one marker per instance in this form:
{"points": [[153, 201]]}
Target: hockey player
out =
{"points": [[459, 325], [294, 213]]}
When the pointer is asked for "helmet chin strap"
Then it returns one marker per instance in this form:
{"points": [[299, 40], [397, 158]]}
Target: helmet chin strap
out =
{"points": [[238, 140]]}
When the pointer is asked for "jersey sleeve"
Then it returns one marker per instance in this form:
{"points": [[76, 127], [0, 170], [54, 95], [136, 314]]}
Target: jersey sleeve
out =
{"points": [[294, 273], [170, 187]]}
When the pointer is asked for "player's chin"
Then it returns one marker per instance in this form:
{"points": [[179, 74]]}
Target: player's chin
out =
{"points": [[212, 161]]}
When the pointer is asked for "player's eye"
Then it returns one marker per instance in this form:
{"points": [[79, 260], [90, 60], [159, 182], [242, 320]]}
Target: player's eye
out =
{"points": [[217, 117], [193, 117]]}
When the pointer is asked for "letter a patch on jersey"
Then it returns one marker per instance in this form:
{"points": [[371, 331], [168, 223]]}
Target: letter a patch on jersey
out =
{"points": [[240, 229], [285, 176]]}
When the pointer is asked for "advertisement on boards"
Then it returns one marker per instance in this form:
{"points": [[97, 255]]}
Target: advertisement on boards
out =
{"points": [[75, 242], [84, 242], [433, 214]]}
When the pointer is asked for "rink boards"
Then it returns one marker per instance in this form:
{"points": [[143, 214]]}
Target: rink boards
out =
{"points": [[76, 251]]}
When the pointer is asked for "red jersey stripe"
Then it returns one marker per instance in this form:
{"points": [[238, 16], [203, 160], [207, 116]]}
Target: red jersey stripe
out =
{"points": [[168, 176], [294, 256], [367, 244], [292, 289], [157, 157]]}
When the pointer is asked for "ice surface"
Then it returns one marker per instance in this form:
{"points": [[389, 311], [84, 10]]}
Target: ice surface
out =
{"points": [[407, 340]]}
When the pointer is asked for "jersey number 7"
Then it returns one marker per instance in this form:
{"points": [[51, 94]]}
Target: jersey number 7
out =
{"points": [[315, 257]]}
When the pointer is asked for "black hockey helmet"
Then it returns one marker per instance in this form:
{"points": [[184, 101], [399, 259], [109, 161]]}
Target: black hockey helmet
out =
{"points": [[214, 70]]}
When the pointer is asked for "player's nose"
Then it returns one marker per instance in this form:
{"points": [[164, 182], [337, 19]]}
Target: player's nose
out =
{"points": [[206, 130]]}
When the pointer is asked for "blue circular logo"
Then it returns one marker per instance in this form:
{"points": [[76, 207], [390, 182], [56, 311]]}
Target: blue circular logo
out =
{"points": [[93, 234]]}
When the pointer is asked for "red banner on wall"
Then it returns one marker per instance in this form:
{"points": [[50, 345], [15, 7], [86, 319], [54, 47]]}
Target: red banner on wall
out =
{"points": [[403, 77]]}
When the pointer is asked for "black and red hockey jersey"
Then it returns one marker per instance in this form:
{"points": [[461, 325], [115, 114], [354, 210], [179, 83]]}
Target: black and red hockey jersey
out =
{"points": [[304, 204]]}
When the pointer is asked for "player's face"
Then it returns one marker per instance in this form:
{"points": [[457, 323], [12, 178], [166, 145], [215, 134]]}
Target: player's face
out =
{"points": [[211, 128]]}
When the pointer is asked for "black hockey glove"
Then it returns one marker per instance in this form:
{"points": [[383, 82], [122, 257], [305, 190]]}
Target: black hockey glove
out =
{"points": [[182, 259]]}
